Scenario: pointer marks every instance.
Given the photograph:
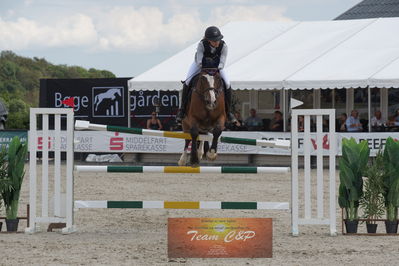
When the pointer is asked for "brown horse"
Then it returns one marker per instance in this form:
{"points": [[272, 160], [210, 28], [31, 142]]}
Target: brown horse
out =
{"points": [[205, 114]]}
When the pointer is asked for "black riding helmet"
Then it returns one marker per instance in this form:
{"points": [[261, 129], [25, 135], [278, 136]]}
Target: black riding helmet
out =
{"points": [[213, 34]]}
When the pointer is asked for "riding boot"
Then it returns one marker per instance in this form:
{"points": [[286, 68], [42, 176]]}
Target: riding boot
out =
{"points": [[227, 101], [184, 99]]}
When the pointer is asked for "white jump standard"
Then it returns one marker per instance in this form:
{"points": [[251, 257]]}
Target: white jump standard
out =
{"points": [[68, 204]]}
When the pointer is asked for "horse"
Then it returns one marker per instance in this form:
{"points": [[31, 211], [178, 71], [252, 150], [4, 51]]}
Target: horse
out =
{"points": [[109, 94], [205, 114]]}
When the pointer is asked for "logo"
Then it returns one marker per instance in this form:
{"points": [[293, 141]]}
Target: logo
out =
{"points": [[108, 102]]}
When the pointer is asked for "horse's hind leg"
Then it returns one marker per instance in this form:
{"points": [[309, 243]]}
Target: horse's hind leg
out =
{"points": [[212, 153], [183, 157], [206, 148], [194, 156], [200, 149]]}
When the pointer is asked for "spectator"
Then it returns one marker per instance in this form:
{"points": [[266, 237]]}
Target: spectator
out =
{"points": [[377, 123], [396, 119], [238, 125], [154, 123], [341, 125], [278, 123], [393, 121], [353, 123], [301, 123], [253, 122]]}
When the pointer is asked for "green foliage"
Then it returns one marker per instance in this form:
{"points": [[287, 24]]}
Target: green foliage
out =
{"points": [[391, 179], [20, 82], [15, 174], [372, 201], [5, 184], [351, 165]]}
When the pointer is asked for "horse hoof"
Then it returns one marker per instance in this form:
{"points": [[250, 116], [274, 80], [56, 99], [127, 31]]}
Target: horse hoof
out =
{"points": [[211, 155], [183, 159], [194, 163]]}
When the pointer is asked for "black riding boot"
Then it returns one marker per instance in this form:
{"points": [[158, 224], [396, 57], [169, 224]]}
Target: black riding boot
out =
{"points": [[184, 99], [227, 101]]}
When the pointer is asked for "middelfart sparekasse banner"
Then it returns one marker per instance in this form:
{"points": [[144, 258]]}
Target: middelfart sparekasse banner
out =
{"points": [[114, 142]]}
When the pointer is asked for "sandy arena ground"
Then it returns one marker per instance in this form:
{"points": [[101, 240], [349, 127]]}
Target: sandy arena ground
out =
{"points": [[139, 237]]}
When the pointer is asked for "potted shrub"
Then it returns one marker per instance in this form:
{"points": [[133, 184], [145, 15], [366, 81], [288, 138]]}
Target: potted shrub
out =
{"points": [[391, 185], [4, 182], [372, 201], [15, 174], [351, 165]]}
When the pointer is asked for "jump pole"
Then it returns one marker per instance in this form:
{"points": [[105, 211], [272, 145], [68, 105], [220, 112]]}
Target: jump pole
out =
{"points": [[215, 205], [82, 125], [183, 169]]}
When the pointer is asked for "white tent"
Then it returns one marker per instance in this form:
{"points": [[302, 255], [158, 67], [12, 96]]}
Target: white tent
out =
{"points": [[296, 55]]}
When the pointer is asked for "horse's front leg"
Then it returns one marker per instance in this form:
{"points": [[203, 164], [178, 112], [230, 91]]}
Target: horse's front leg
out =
{"points": [[212, 153], [194, 156], [183, 157]]}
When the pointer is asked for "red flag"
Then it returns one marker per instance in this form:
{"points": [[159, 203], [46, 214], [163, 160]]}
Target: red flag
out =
{"points": [[70, 102]]}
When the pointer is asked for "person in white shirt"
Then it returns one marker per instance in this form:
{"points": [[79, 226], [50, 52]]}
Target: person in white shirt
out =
{"points": [[353, 123], [377, 122]]}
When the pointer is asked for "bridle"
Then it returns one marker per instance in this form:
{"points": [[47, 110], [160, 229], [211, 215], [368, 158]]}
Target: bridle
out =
{"points": [[217, 89]]}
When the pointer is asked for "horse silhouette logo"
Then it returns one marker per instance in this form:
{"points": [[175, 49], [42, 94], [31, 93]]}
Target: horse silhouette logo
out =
{"points": [[108, 101]]}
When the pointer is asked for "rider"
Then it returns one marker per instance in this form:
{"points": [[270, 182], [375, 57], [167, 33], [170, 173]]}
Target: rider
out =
{"points": [[210, 48]]}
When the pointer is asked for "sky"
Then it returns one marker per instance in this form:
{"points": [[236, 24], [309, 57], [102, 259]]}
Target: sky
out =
{"points": [[128, 37]]}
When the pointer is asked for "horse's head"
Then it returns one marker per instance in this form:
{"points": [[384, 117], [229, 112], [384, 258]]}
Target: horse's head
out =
{"points": [[210, 87]]}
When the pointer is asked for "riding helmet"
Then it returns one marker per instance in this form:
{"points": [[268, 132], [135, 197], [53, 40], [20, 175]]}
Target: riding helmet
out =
{"points": [[213, 34]]}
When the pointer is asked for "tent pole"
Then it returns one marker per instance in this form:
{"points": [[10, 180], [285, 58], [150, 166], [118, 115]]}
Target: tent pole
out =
{"points": [[369, 105], [129, 110], [284, 110]]}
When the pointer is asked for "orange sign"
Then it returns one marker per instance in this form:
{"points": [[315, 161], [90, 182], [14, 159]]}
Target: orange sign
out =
{"points": [[220, 237]]}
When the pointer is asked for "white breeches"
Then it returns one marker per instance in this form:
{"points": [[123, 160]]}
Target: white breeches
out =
{"points": [[194, 70]]}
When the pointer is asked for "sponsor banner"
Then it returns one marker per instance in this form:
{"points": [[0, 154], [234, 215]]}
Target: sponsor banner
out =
{"points": [[105, 101], [220, 237], [101, 101], [103, 141], [7, 136]]}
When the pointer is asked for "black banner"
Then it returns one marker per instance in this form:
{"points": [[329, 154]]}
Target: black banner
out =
{"points": [[100, 101], [164, 103]]}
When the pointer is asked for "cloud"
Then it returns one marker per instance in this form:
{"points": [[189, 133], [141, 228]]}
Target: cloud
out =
{"points": [[145, 28], [24, 33], [222, 15]]}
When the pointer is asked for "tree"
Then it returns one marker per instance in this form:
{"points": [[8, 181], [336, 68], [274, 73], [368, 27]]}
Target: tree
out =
{"points": [[19, 83]]}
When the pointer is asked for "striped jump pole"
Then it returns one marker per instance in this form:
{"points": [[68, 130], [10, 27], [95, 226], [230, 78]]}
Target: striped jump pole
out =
{"points": [[218, 205], [82, 125], [182, 169]]}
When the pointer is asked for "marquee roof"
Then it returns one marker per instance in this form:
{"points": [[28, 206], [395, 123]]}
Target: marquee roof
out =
{"points": [[372, 9], [295, 55]]}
